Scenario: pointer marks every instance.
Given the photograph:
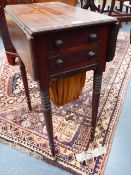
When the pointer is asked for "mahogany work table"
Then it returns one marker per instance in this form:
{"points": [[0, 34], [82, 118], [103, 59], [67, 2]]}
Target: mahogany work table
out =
{"points": [[55, 40]]}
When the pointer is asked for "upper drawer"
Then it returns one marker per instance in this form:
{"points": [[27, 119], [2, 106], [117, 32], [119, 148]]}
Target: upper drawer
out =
{"points": [[71, 38]]}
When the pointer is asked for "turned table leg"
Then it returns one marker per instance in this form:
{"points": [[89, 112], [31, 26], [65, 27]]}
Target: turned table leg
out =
{"points": [[45, 100], [95, 100], [103, 6], [25, 83], [112, 7]]}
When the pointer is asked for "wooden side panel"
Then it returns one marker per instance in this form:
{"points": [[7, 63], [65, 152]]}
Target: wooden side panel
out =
{"points": [[21, 43]]}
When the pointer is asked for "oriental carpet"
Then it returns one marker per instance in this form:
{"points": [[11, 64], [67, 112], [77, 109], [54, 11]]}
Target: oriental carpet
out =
{"points": [[26, 130]]}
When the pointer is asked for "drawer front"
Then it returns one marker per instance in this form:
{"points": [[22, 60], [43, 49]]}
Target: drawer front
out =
{"points": [[64, 62], [71, 38]]}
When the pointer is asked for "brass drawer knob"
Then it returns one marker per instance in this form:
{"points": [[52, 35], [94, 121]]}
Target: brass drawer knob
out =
{"points": [[92, 37], [58, 43], [91, 54], [60, 62]]}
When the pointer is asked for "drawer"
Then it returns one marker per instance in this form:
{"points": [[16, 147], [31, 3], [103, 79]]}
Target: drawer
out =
{"points": [[71, 60], [65, 39]]}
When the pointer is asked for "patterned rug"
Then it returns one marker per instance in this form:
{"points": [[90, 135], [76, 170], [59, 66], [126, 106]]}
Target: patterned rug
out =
{"points": [[26, 130]]}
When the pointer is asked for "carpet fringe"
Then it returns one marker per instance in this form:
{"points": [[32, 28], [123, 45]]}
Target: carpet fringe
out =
{"points": [[36, 155]]}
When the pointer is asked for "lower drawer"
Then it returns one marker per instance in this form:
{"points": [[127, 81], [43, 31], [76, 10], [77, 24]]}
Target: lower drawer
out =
{"points": [[64, 62]]}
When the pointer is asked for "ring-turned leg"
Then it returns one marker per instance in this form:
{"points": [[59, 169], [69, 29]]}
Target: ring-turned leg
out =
{"points": [[25, 83], [95, 100], [45, 100]]}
